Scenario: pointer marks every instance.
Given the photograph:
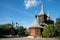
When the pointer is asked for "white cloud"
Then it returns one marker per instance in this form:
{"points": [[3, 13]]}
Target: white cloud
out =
{"points": [[31, 3]]}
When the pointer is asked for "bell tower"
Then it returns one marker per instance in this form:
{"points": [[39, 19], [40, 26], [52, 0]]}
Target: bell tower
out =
{"points": [[42, 16]]}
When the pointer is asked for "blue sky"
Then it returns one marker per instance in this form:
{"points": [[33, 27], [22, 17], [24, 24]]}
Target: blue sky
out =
{"points": [[24, 11]]}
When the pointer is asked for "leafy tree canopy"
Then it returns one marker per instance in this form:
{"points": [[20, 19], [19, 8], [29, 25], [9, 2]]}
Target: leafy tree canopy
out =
{"points": [[48, 31], [5, 25], [21, 30], [58, 25]]}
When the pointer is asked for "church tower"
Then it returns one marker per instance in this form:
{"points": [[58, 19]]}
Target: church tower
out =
{"points": [[42, 16]]}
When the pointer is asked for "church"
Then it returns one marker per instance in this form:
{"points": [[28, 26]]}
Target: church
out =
{"points": [[40, 21]]}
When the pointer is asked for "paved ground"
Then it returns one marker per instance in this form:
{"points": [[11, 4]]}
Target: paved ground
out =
{"points": [[25, 38]]}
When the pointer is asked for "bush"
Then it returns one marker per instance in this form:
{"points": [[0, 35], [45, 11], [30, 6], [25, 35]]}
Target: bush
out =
{"points": [[48, 31], [57, 26], [21, 31]]}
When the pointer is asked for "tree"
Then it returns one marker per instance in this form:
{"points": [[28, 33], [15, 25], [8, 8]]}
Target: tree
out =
{"points": [[57, 26], [5, 25], [21, 31], [48, 31], [4, 29]]}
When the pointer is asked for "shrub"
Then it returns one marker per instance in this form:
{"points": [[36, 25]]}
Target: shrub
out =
{"points": [[48, 31]]}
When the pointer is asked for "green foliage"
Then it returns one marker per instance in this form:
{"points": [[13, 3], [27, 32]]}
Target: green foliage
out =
{"points": [[21, 31], [48, 31], [5, 25], [57, 27], [4, 29]]}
